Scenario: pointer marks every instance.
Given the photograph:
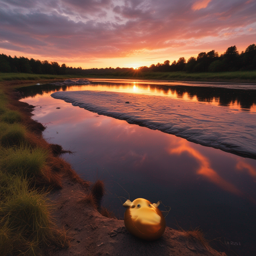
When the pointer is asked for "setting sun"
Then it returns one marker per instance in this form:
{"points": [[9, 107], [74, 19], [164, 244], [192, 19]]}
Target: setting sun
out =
{"points": [[135, 66]]}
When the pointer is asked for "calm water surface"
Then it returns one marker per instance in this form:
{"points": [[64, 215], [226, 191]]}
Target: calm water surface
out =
{"points": [[205, 187]]}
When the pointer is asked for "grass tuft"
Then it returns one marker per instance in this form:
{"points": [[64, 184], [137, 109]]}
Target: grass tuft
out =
{"points": [[11, 117], [13, 135], [27, 214], [26, 224], [10, 184], [24, 161]]}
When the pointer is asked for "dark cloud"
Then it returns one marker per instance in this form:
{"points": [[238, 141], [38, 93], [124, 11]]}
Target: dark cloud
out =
{"points": [[88, 6], [21, 3], [115, 28]]}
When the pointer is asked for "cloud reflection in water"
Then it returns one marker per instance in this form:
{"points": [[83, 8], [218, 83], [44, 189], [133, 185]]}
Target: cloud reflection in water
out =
{"points": [[204, 167]]}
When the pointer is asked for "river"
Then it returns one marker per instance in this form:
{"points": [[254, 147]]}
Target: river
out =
{"points": [[205, 187]]}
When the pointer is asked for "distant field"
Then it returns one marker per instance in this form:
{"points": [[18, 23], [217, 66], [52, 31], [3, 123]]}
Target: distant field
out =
{"points": [[239, 76], [25, 76]]}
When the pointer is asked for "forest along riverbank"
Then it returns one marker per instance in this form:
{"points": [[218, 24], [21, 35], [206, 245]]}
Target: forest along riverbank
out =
{"points": [[90, 232], [219, 184]]}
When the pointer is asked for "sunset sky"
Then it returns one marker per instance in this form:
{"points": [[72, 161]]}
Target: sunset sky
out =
{"points": [[123, 33]]}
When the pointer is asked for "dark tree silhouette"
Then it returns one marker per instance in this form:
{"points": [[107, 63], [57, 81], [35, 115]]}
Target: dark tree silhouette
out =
{"points": [[4, 64], [63, 69], [231, 60], [190, 65]]}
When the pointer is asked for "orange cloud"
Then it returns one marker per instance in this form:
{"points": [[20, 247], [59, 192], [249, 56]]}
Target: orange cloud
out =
{"points": [[205, 169], [201, 4], [126, 33]]}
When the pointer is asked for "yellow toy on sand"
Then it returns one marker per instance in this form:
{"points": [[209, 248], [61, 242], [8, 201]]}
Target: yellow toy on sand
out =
{"points": [[143, 219]]}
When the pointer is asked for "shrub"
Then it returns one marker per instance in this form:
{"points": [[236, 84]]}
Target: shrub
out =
{"points": [[11, 117]]}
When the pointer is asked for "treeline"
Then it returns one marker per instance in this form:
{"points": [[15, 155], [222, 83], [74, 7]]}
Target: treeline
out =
{"points": [[211, 61], [231, 60], [25, 65]]}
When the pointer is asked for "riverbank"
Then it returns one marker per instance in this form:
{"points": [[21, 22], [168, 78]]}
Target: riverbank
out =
{"points": [[236, 77], [90, 232], [29, 169]]}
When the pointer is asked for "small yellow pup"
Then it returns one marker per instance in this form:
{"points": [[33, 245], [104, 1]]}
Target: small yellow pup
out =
{"points": [[143, 219]]}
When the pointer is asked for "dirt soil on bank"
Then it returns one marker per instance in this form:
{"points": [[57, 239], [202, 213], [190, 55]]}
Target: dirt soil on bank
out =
{"points": [[93, 234]]}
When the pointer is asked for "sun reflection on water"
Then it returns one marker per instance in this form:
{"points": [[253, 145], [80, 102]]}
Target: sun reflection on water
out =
{"points": [[187, 94]]}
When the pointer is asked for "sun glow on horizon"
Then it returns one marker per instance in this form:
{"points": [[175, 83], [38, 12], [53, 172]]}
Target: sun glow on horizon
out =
{"points": [[135, 66]]}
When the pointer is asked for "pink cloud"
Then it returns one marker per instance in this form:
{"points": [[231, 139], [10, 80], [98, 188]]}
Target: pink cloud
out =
{"points": [[90, 30], [201, 4]]}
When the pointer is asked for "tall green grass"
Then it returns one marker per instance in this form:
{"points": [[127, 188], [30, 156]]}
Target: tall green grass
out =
{"points": [[12, 134], [25, 220], [26, 225], [23, 161], [9, 184], [11, 116]]}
